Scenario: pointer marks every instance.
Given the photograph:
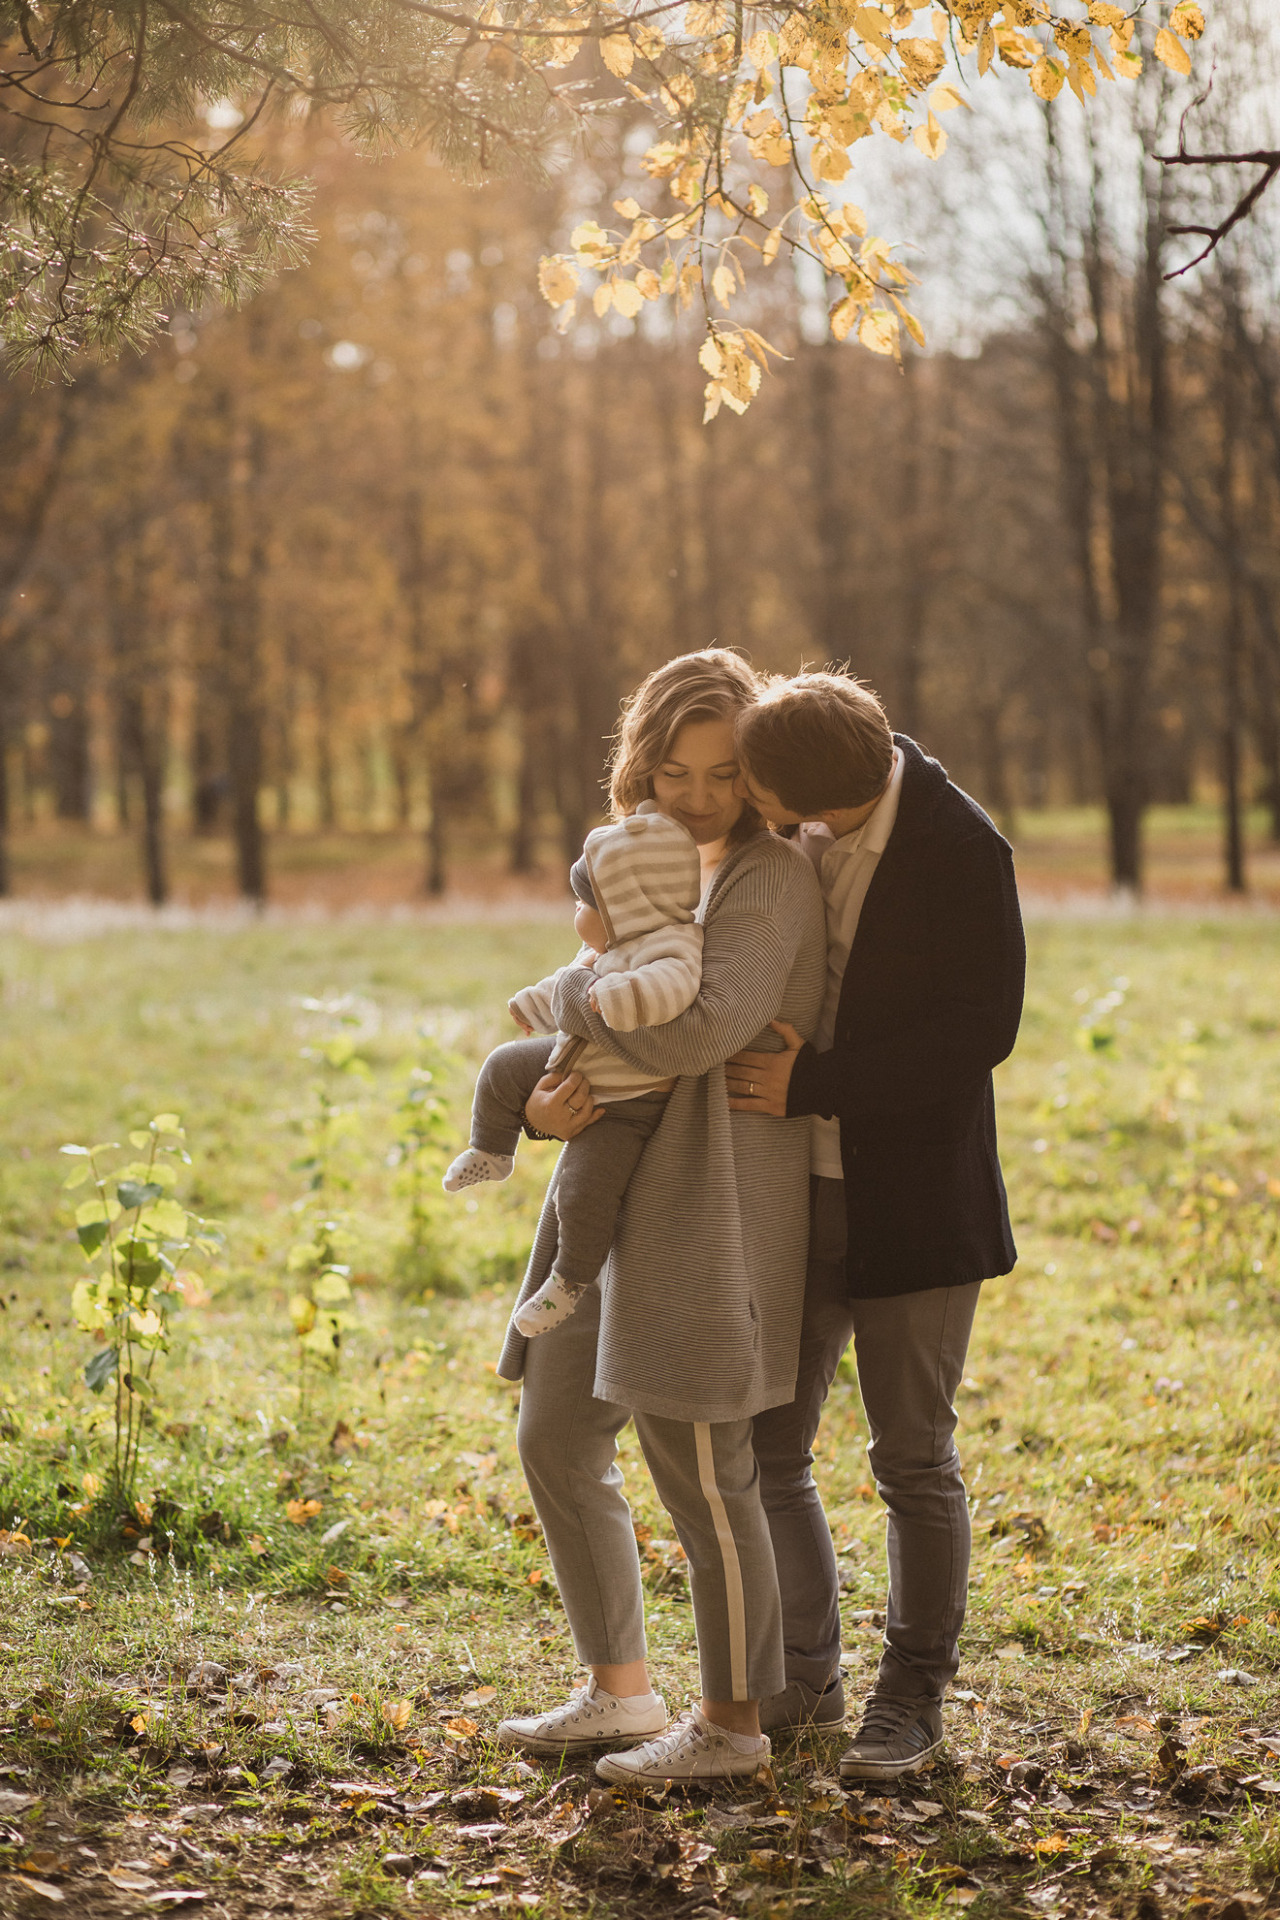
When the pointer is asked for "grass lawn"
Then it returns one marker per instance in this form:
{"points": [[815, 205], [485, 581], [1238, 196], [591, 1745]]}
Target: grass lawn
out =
{"points": [[272, 1686]]}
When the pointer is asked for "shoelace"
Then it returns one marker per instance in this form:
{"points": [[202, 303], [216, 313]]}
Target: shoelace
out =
{"points": [[686, 1731], [574, 1707], [886, 1720]]}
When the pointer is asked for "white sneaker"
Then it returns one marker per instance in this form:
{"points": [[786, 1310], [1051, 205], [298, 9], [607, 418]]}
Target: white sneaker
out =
{"points": [[589, 1718], [549, 1307], [694, 1749], [473, 1166]]}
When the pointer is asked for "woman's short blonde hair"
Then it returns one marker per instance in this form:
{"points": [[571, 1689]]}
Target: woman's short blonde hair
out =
{"points": [[713, 685]]}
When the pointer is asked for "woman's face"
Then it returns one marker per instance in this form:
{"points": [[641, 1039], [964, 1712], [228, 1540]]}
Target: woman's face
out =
{"points": [[695, 783]]}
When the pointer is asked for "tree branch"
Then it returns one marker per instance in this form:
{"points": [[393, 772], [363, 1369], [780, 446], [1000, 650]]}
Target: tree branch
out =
{"points": [[1267, 159]]}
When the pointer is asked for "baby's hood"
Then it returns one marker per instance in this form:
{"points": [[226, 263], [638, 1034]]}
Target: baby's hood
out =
{"points": [[644, 872]]}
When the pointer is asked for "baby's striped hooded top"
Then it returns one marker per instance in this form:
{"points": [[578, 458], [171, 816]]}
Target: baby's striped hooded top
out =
{"points": [[644, 878]]}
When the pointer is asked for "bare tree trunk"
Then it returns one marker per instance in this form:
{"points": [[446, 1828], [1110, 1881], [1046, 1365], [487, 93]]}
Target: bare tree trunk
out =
{"points": [[69, 764], [830, 623], [1233, 630], [1134, 442], [325, 786], [369, 781], [913, 562], [1233, 649], [1113, 451], [141, 696], [142, 733], [286, 720], [668, 406], [6, 878], [208, 778], [1266, 727], [437, 873], [153, 848], [586, 694], [716, 562], [239, 559], [30, 782], [402, 774], [24, 530], [531, 720]]}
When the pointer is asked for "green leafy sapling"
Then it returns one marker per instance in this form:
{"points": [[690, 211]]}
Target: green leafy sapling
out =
{"points": [[134, 1241], [421, 1151], [321, 1309]]}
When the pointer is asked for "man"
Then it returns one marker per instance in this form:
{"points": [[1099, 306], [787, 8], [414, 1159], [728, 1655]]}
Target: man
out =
{"points": [[926, 966]]}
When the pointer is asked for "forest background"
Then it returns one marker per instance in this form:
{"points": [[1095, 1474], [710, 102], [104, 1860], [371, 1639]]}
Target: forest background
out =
{"points": [[378, 554], [332, 600]]}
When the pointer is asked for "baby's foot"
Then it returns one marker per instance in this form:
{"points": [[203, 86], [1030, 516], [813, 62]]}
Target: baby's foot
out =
{"points": [[547, 1308], [473, 1166]]}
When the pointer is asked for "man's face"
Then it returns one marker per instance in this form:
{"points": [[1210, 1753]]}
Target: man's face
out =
{"points": [[766, 802]]}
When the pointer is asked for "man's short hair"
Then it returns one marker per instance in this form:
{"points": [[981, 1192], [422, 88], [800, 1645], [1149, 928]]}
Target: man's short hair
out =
{"points": [[819, 741]]}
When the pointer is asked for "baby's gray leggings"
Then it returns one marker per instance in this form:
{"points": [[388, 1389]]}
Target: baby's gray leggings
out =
{"points": [[594, 1168]]}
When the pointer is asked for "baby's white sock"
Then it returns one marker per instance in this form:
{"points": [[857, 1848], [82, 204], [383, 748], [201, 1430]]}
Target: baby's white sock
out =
{"points": [[475, 1165], [547, 1308]]}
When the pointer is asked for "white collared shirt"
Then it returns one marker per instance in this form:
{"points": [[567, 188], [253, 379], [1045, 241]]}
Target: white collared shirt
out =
{"points": [[846, 868]]}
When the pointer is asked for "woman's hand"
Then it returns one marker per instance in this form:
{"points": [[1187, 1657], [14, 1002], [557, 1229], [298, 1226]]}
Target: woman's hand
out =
{"points": [[758, 1082], [563, 1108]]}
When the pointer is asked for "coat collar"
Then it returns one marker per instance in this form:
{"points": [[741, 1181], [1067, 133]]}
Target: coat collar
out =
{"points": [[924, 781]]}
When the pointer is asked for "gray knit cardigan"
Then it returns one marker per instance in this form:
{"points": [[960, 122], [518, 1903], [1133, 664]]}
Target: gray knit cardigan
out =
{"points": [[703, 1290]]}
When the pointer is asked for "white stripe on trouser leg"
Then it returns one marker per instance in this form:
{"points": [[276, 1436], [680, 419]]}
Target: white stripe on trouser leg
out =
{"points": [[735, 1600]]}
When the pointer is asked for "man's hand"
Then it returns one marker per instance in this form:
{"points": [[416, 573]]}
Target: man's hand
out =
{"points": [[562, 1107], [758, 1082]]}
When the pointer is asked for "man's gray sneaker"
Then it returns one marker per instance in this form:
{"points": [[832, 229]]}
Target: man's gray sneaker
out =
{"points": [[896, 1737], [799, 1706]]}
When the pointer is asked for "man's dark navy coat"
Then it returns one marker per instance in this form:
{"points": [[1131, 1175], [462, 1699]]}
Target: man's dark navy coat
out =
{"points": [[931, 1001]]}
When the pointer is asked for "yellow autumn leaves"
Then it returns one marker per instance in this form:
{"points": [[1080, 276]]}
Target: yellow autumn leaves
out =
{"points": [[1075, 48], [728, 99]]}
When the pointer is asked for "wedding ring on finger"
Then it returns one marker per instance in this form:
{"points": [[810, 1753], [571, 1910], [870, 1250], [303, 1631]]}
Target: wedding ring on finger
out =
{"points": [[751, 1088]]}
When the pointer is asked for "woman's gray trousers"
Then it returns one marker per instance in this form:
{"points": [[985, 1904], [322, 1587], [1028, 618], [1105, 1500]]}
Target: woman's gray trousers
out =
{"points": [[706, 1477]]}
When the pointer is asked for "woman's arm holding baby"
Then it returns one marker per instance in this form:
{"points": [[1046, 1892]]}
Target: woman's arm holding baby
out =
{"points": [[561, 1108], [746, 960]]}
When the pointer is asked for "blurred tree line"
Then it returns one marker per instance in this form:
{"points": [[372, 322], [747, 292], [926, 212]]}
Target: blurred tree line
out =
{"points": [[385, 548]]}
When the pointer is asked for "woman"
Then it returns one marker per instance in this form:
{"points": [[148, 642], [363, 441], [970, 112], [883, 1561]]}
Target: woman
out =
{"points": [[696, 1325]]}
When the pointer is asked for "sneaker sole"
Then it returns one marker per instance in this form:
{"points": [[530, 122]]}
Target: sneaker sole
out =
{"points": [[554, 1749], [629, 1777], [887, 1769]]}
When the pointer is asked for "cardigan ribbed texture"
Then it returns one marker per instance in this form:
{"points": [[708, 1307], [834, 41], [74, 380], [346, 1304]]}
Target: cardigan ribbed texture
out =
{"points": [[703, 1291]]}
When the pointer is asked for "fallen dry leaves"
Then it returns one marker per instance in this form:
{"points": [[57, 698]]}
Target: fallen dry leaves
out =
{"points": [[298, 1512]]}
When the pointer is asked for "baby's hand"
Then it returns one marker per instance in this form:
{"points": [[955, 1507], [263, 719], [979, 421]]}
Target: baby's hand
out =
{"points": [[519, 1019], [592, 1001], [588, 957]]}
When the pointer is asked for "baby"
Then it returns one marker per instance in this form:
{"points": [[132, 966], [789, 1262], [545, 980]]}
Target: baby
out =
{"points": [[638, 884]]}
